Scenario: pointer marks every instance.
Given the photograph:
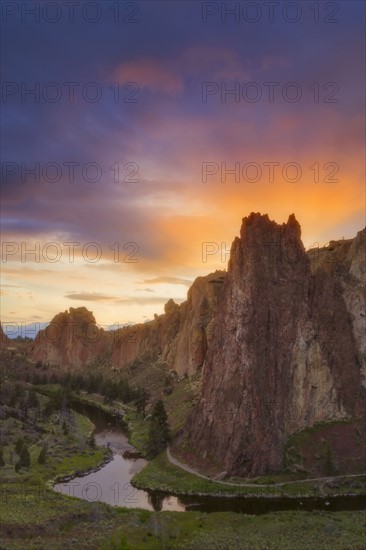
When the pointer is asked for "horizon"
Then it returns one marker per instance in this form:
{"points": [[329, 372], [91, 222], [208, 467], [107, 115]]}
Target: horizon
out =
{"points": [[25, 329]]}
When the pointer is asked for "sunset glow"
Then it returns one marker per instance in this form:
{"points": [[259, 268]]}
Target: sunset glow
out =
{"points": [[191, 140]]}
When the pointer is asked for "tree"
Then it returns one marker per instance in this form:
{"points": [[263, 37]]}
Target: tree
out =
{"points": [[158, 433], [19, 445], [141, 401], [32, 399], [42, 455], [24, 459], [2, 461]]}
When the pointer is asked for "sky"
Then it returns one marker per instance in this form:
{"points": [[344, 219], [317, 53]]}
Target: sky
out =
{"points": [[137, 135]]}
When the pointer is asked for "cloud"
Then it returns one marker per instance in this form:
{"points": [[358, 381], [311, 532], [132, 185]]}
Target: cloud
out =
{"points": [[151, 74], [90, 297], [161, 300], [144, 290], [213, 62], [166, 280], [124, 300]]}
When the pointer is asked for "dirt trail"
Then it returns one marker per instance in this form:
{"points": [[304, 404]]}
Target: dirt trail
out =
{"points": [[190, 470]]}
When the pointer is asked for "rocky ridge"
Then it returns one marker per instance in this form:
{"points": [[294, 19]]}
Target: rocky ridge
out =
{"points": [[288, 349], [178, 338]]}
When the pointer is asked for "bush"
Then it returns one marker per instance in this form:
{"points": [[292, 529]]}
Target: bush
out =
{"points": [[91, 441]]}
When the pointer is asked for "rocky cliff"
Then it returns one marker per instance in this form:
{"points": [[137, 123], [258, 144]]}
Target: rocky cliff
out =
{"points": [[179, 338], [287, 350], [71, 340]]}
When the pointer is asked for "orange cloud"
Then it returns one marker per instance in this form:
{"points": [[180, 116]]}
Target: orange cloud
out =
{"points": [[150, 74]]}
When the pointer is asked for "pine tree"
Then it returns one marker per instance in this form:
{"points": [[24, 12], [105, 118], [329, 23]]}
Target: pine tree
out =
{"points": [[141, 402], [19, 445], [158, 434], [42, 455], [32, 399], [24, 459]]}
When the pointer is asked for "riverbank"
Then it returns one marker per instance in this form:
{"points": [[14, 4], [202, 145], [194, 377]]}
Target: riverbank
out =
{"points": [[115, 408], [161, 475]]}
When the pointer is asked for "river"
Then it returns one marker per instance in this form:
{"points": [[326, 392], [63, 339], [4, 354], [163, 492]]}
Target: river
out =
{"points": [[112, 482]]}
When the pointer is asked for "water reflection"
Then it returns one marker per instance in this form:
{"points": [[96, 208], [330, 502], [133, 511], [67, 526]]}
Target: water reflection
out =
{"points": [[111, 483]]}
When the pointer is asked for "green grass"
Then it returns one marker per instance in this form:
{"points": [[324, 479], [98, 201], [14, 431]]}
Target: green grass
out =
{"points": [[161, 475], [179, 403], [82, 525], [137, 429]]}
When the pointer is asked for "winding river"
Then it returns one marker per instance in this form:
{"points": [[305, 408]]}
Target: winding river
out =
{"points": [[112, 482]]}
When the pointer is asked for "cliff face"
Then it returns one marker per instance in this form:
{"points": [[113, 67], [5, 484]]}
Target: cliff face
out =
{"points": [[71, 340], [180, 337], [287, 349]]}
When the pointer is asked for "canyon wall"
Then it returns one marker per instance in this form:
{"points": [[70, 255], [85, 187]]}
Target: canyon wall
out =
{"points": [[288, 348], [179, 338]]}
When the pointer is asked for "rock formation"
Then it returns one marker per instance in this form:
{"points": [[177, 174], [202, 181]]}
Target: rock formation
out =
{"points": [[180, 337], [71, 340], [288, 347]]}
